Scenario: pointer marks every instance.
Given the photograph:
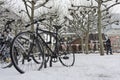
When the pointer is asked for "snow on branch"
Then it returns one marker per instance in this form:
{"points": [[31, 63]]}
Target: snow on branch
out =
{"points": [[40, 5]]}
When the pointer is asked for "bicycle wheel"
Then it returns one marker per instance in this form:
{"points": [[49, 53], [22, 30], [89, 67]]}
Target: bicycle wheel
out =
{"points": [[66, 55], [26, 52], [5, 60]]}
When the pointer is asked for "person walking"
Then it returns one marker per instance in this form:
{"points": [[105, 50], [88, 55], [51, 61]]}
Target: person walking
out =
{"points": [[108, 47]]}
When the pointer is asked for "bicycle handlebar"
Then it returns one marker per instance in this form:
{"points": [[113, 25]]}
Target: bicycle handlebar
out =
{"points": [[9, 22], [40, 20], [7, 25]]}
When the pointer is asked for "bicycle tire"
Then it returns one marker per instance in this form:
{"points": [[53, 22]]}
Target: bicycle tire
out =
{"points": [[5, 59], [61, 54], [66, 54], [19, 50], [5, 63]]}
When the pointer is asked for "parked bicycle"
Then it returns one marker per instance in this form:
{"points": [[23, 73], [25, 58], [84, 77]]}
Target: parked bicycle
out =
{"points": [[5, 42], [32, 50]]}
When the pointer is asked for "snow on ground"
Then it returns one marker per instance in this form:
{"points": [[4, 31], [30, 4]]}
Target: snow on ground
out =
{"points": [[87, 67]]}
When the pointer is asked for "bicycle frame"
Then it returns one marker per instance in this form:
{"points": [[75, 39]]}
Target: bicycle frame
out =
{"points": [[39, 47], [46, 43]]}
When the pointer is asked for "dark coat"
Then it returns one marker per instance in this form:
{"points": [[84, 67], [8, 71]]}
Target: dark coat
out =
{"points": [[108, 43]]}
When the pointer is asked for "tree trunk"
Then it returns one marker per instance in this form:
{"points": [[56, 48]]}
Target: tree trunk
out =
{"points": [[32, 16], [100, 27], [16, 30], [86, 42], [82, 46]]}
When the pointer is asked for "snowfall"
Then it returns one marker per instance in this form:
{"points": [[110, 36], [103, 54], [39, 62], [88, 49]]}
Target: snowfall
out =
{"points": [[86, 67]]}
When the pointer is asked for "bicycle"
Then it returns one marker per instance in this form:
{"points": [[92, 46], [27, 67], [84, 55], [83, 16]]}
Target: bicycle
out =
{"points": [[43, 46], [5, 42]]}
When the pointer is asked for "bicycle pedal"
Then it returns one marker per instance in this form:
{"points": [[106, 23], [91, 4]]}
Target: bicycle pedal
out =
{"points": [[53, 56], [65, 57], [29, 60]]}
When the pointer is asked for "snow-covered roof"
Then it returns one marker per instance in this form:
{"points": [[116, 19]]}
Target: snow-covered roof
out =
{"points": [[113, 32]]}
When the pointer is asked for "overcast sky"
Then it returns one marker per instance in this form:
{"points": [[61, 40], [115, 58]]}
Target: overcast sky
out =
{"points": [[16, 5], [116, 9], [60, 5]]}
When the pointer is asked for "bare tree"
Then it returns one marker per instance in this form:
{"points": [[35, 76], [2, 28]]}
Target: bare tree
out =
{"points": [[100, 10], [30, 6], [83, 19], [99, 25]]}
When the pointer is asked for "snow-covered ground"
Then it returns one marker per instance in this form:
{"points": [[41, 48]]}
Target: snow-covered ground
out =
{"points": [[87, 67]]}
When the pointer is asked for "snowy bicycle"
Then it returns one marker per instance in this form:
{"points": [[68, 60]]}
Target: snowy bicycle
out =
{"points": [[5, 42], [32, 50]]}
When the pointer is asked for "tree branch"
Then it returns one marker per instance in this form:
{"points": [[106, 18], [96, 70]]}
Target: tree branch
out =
{"points": [[85, 6], [26, 8], [110, 7], [40, 5]]}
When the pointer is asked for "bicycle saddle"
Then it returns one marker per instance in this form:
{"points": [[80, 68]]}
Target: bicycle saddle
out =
{"points": [[57, 27]]}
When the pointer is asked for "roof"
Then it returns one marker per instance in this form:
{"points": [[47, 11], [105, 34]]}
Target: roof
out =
{"points": [[113, 32], [95, 36], [91, 37]]}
